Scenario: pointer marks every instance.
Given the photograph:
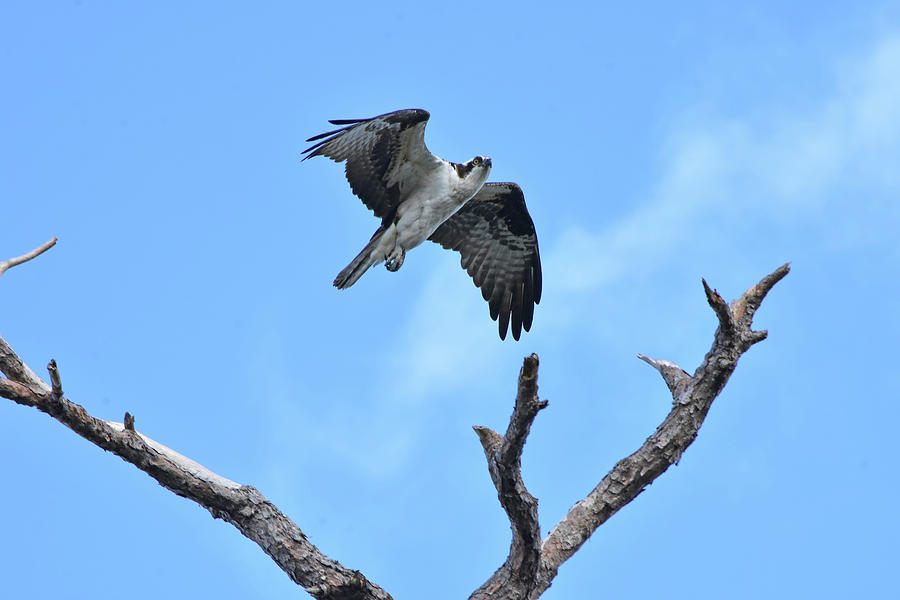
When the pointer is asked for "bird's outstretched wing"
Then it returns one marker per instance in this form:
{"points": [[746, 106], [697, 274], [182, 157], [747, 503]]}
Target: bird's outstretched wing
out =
{"points": [[382, 154], [495, 237]]}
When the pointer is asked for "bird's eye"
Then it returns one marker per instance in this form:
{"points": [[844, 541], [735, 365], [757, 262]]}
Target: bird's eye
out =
{"points": [[476, 161]]}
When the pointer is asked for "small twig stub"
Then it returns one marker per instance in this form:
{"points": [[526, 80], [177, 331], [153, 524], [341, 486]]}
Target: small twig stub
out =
{"points": [[55, 380]]}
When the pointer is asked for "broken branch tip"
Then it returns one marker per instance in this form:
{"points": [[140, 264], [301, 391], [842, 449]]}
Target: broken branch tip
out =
{"points": [[55, 380]]}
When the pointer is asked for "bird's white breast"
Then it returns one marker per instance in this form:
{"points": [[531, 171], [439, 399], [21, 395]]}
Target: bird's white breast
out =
{"points": [[438, 195]]}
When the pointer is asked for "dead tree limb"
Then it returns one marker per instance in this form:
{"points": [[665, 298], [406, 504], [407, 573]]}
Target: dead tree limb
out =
{"points": [[242, 506], [504, 458], [12, 262], [692, 397], [531, 565]]}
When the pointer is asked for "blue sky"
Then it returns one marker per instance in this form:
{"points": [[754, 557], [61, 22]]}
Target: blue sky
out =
{"points": [[655, 144]]}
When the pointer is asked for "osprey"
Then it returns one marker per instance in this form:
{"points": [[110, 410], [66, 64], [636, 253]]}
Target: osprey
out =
{"points": [[419, 196]]}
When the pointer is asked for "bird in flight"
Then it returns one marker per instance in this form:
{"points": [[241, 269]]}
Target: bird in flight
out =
{"points": [[419, 196]]}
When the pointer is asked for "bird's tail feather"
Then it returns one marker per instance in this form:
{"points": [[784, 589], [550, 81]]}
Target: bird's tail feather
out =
{"points": [[360, 264]]}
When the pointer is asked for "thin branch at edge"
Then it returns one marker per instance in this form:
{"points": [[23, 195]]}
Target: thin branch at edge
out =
{"points": [[13, 262]]}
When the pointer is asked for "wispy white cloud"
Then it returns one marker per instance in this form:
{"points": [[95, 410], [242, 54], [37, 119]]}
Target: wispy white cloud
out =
{"points": [[773, 166], [584, 259], [769, 167], [449, 329]]}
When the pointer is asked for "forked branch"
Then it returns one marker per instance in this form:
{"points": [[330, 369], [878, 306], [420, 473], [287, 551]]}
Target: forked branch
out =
{"points": [[692, 397], [504, 457], [532, 564]]}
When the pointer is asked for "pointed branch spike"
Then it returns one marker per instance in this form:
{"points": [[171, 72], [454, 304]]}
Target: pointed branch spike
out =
{"points": [[12, 262], [676, 378], [757, 336], [529, 367], [490, 439], [55, 381], [753, 297], [526, 409], [718, 304], [768, 282]]}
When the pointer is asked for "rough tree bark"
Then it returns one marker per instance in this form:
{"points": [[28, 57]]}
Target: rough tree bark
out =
{"points": [[532, 562]]}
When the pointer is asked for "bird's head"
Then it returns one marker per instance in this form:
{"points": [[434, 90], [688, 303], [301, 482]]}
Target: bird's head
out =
{"points": [[481, 162], [476, 169]]}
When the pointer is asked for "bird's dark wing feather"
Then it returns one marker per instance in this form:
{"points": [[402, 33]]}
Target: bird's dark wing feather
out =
{"points": [[495, 237], [377, 151]]}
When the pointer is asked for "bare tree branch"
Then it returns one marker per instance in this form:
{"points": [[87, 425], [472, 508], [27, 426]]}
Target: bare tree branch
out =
{"points": [[242, 506], [679, 429], [12, 262], [675, 377], [692, 397], [56, 390], [504, 457], [13, 367], [531, 564], [10, 364]]}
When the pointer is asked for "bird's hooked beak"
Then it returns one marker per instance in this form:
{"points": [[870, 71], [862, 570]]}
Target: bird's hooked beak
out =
{"points": [[487, 162]]}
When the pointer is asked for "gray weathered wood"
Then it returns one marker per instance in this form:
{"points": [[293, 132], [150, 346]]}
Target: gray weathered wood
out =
{"points": [[531, 565]]}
